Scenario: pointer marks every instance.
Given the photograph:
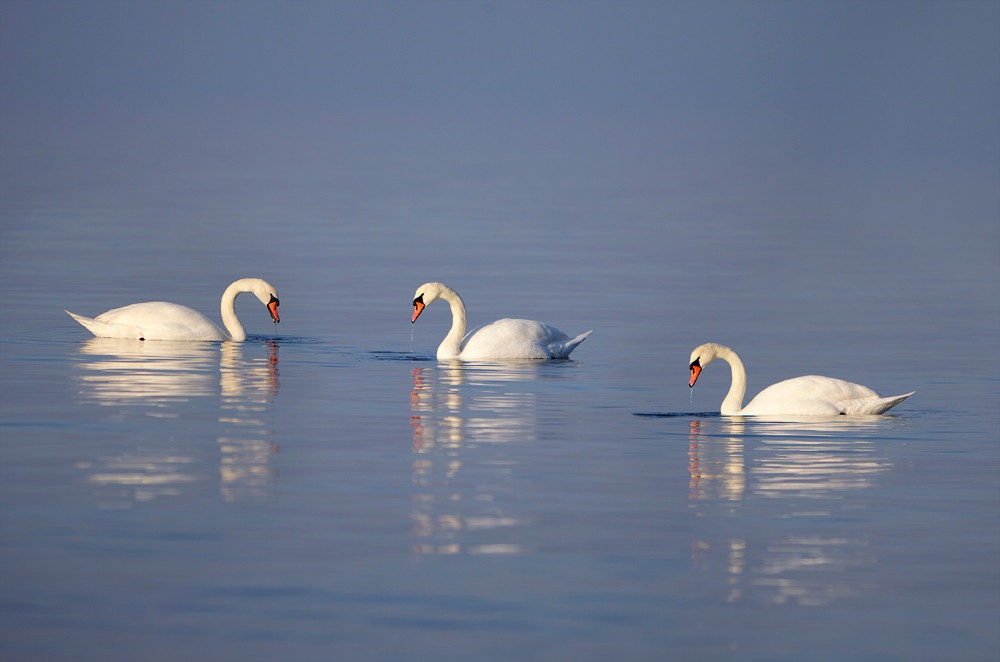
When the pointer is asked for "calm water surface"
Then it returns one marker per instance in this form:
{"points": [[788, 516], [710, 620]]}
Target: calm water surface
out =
{"points": [[331, 491]]}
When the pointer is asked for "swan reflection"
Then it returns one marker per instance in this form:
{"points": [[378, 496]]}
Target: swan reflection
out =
{"points": [[136, 372], [140, 477], [443, 416], [457, 407], [733, 460], [248, 387], [166, 380], [813, 459], [716, 464]]}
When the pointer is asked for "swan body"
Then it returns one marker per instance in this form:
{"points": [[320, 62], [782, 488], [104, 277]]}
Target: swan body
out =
{"points": [[159, 320], [503, 339], [802, 396]]}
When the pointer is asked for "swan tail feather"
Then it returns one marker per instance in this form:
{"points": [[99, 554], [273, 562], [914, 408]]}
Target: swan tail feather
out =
{"points": [[562, 350], [105, 330], [869, 406]]}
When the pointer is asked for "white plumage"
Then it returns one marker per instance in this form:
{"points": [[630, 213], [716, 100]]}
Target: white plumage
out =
{"points": [[159, 320], [503, 339], [811, 395]]}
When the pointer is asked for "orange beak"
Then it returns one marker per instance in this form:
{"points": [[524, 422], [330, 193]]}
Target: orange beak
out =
{"points": [[273, 309], [418, 307], [695, 371]]}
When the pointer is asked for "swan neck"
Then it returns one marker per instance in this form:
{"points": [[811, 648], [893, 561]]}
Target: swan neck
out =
{"points": [[232, 323], [733, 403], [451, 346]]}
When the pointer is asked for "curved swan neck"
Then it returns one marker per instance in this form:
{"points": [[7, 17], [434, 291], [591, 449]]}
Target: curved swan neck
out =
{"points": [[451, 346], [733, 403], [232, 323]]}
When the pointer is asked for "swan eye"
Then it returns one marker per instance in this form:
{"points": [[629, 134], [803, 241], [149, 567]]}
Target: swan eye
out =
{"points": [[274, 300], [419, 299], [696, 363]]}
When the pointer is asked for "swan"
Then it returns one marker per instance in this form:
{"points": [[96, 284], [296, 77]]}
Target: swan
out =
{"points": [[503, 339], [159, 320], [802, 396]]}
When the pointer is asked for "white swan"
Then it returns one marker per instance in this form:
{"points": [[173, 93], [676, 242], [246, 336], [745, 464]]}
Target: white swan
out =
{"points": [[801, 396], [503, 339], [159, 320]]}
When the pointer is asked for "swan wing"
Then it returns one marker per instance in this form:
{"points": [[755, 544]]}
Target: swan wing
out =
{"points": [[562, 349], [154, 320], [872, 406], [519, 339], [105, 330], [811, 395]]}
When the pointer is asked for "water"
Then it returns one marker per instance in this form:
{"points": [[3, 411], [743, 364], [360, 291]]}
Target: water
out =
{"points": [[329, 490]]}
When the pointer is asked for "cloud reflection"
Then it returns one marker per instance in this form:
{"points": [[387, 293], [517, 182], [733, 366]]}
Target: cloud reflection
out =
{"points": [[457, 406], [734, 461]]}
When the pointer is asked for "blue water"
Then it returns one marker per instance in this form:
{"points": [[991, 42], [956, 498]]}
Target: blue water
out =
{"points": [[329, 490]]}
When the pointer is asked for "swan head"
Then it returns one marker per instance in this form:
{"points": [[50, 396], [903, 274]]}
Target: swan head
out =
{"points": [[425, 295], [700, 358], [267, 294]]}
